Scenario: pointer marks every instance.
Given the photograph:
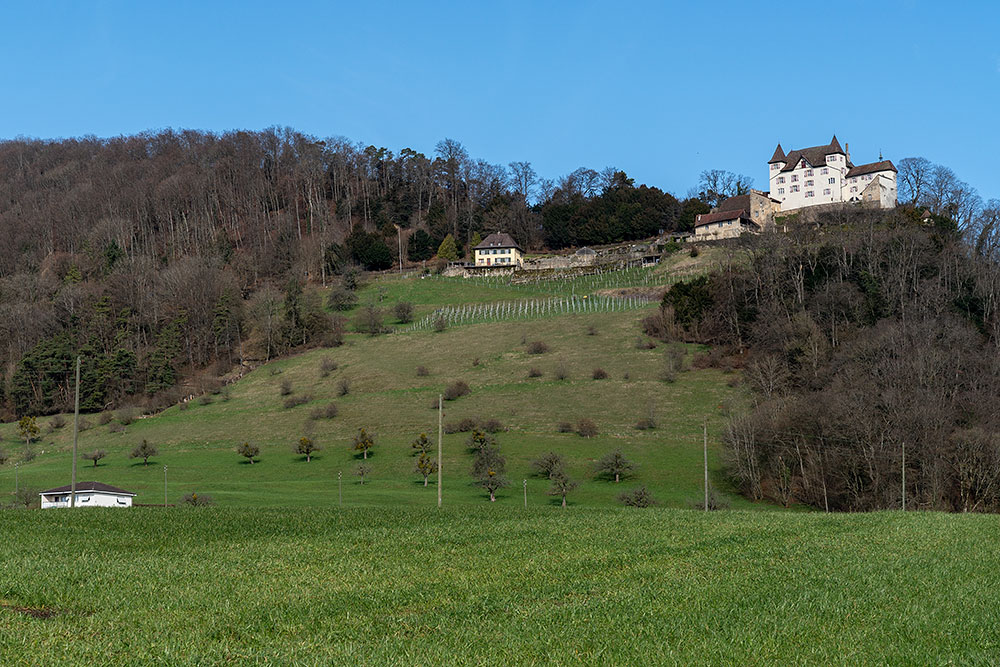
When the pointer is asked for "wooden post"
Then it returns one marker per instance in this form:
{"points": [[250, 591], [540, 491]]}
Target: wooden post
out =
{"points": [[340, 490], [525, 494], [76, 435], [440, 436], [164, 486], [704, 427], [904, 476]]}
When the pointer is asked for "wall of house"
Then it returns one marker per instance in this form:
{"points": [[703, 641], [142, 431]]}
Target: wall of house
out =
{"points": [[855, 187], [724, 229], [87, 499], [501, 256], [792, 188]]}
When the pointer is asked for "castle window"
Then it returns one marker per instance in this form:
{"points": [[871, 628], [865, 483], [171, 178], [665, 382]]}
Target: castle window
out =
{"points": [[794, 178], [774, 167], [826, 191], [809, 172], [795, 188], [854, 189], [781, 179], [824, 170], [809, 193], [831, 181], [808, 183], [831, 158], [781, 191]]}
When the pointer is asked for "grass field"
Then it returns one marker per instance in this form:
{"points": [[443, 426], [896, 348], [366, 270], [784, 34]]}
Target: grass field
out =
{"points": [[487, 585], [386, 395]]}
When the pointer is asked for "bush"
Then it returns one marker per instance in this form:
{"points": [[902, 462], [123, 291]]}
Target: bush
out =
{"points": [[57, 422], [600, 374], [440, 324], [205, 399], [591, 330], [455, 390], [403, 311], [586, 428], [645, 424], [534, 372], [537, 347], [275, 370], [476, 362], [104, 418], [84, 424], [116, 428], [546, 464], [564, 427], [326, 366], [643, 343], [463, 425], [295, 401], [640, 497], [343, 387], [694, 251], [248, 451], [715, 502], [493, 426], [562, 372], [370, 320], [341, 299], [197, 499], [422, 372], [286, 387]]}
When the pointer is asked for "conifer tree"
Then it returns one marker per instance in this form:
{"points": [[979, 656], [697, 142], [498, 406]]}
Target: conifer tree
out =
{"points": [[448, 249]]}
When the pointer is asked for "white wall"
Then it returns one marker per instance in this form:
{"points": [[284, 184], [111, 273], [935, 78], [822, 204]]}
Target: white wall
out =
{"points": [[855, 186], [86, 499], [784, 183]]}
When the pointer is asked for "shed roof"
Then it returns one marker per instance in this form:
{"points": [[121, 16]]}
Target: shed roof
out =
{"points": [[89, 486], [498, 240], [871, 168], [721, 216]]}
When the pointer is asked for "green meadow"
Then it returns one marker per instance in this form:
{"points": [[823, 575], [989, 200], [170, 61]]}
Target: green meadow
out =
{"points": [[496, 585]]}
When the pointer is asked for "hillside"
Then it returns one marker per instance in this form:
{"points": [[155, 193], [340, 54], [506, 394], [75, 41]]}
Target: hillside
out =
{"points": [[197, 440], [491, 585]]}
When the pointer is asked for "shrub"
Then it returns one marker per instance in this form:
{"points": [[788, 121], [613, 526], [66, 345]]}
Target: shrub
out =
{"points": [[295, 401], [341, 298], [562, 372], [476, 362], [564, 427], [643, 343], [646, 424], [57, 422], [600, 374], [327, 412], [591, 330], [104, 418], [4, 457], [326, 366], [116, 428], [197, 499], [537, 347], [275, 370], [343, 387], [492, 426], [334, 336], [455, 390], [306, 446], [586, 428], [422, 372], [546, 464], [143, 451], [95, 456], [84, 424], [403, 311], [640, 497], [694, 251], [715, 502], [534, 372], [286, 387], [440, 324], [463, 425], [205, 399], [370, 320]]}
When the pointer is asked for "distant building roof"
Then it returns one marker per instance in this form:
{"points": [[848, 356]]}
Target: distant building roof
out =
{"points": [[737, 203], [779, 155], [89, 486], [498, 240], [814, 155], [871, 168], [586, 251], [722, 216]]}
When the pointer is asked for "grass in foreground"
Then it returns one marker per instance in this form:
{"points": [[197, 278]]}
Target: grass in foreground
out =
{"points": [[478, 586]]}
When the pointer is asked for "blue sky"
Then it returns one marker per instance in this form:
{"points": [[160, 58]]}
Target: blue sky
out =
{"points": [[662, 90]]}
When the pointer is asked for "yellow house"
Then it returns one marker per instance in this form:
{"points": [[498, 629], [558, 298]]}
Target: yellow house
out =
{"points": [[498, 250]]}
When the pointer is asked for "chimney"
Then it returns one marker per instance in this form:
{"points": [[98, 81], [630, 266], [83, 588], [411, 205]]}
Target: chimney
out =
{"points": [[847, 149]]}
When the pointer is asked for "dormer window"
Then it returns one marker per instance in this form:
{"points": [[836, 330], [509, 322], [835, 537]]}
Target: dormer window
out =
{"points": [[774, 167], [831, 158], [794, 178]]}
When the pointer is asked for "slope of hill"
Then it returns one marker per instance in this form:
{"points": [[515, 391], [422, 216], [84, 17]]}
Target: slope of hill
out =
{"points": [[490, 584], [385, 394]]}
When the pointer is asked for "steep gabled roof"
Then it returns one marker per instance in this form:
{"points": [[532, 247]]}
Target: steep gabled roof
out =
{"points": [[498, 240], [779, 155], [814, 155], [871, 168], [89, 486], [737, 203]]}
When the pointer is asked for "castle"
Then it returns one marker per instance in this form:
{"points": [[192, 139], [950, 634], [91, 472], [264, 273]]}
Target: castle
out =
{"points": [[825, 175]]}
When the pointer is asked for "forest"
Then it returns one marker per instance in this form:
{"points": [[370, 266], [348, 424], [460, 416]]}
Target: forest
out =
{"points": [[869, 343], [152, 253]]}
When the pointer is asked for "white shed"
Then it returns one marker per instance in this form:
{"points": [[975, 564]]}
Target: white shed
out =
{"points": [[88, 494]]}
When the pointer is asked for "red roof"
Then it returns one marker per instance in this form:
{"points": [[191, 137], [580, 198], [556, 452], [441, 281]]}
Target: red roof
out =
{"points": [[871, 168], [720, 216]]}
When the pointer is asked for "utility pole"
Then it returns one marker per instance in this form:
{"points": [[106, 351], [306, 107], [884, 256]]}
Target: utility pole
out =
{"points": [[399, 236], [440, 436], [704, 431], [164, 486], [15, 480], [76, 434], [904, 475]]}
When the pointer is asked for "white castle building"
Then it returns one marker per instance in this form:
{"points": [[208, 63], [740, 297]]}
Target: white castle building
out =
{"points": [[825, 175]]}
